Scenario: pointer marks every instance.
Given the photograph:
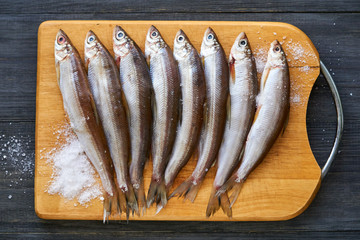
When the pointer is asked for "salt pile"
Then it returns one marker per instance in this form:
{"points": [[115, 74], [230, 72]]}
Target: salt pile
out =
{"points": [[73, 175]]}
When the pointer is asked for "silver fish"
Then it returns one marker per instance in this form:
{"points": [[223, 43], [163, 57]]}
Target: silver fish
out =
{"points": [[166, 90], [80, 107], [270, 118], [243, 86], [136, 84], [217, 89], [105, 86], [193, 98]]}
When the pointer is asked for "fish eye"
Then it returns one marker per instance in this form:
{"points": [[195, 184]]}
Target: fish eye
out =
{"points": [[61, 40], [154, 34], [277, 49], [180, 38], [120, 35], [243, 42], [91, 39], [210, 36]]}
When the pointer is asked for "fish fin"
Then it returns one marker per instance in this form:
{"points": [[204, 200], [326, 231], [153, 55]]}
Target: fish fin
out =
{"points": [[213, 204], [203, 128], [225, 204], [110, 204], [187, 189], [94, 110], [228, 110], [180, 108], [131, 202], [57, 67], [215, 161], [286, 123], [107, 204], [232, 183], [232, 68], [256, 114], [126, 107], [153, 107], [118, 60], [141, 199], [157, 193], [264, 78], [148, 61], [121, 204]]}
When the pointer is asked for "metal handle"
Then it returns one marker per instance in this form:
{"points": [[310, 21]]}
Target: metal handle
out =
{"points": [[340, 119]]}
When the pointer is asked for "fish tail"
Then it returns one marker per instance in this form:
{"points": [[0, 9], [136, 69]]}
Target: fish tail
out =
{"points": [[233, 183], [141, 199], [131, 201], [157, 192], [215, 202], [189, 189], [121, 203], [108, 205], [225, 204]]}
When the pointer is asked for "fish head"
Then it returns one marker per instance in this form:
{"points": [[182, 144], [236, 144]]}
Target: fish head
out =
{"points": [[121, 43], [182, 45], [276, 55], [154, 42], [210, 43], [240, 49], [92, 45], [63, 46]]}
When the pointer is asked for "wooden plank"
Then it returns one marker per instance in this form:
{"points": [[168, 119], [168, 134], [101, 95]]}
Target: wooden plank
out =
{"points": [[172, 6], [280, 188]]}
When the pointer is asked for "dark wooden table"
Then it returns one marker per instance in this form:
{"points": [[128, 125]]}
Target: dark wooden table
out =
{"points": [[334, 28]]}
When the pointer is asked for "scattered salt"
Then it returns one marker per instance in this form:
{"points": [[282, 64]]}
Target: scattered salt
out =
{"points": [[260, 55], [73, 175], [295, 98]]}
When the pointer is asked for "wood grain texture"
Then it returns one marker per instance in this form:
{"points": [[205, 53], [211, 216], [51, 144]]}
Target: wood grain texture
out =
{"points": [[280, 188], [334, 213]]}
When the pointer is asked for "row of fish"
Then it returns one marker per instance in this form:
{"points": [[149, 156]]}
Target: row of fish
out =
{"points": [[181, 105]]}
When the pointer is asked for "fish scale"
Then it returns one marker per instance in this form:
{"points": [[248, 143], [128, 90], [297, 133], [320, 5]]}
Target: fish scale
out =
{"points": [[193, 97], [270, 118], [79, 105], [217, 81], [166, 90], [136, 85], [243, 91], [105, 84]]}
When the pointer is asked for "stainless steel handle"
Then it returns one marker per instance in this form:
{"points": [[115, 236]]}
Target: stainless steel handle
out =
{"points": [[340, 119]]}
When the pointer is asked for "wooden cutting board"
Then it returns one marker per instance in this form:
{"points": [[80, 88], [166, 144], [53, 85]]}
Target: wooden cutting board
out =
{"points": [[280, 188]]}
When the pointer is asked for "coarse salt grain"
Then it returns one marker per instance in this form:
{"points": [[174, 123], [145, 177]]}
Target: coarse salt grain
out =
{"points": [[73, 175]]}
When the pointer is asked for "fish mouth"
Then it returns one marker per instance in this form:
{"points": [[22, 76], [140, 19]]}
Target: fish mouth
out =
{"points": [[276, 46], [151, 30], [209, 30], [61, 37], [181, 36], [90, 33], [180, 32], [117, 28], [242, 36]]}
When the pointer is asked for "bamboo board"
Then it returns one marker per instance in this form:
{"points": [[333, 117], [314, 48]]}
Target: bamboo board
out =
{"points": [[280, 188]]}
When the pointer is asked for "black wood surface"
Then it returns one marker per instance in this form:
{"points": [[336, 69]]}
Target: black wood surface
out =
{"points": [[333, 26]]}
